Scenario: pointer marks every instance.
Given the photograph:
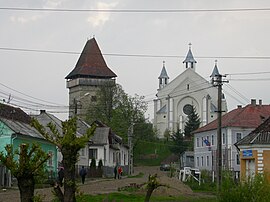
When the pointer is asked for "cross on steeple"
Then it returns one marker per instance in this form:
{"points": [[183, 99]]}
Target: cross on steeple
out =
{"points": [[189, 45]]}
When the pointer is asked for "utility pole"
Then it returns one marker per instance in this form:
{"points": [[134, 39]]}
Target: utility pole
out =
{"points": [[130, 153], [217, 81]]}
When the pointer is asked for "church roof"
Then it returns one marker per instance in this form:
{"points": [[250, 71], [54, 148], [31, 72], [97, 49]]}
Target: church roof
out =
{"points": [[91, 63], [189, 57], [163, 73], [249, 116]]}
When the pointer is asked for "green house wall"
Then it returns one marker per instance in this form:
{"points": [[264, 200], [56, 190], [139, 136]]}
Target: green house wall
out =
{"points": [[7, 136]]}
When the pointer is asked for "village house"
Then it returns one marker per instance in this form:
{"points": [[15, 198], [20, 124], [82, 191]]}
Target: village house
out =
{"points": [[255, 152], [15, 129], [236, 125], [104, 145], [174, 99]]}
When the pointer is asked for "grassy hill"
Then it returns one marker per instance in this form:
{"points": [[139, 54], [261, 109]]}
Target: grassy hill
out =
{"points": [[151, 153]]}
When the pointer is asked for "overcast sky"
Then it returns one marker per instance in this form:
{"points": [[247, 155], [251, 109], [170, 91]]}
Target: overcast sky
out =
{"points": [[214, 35]]}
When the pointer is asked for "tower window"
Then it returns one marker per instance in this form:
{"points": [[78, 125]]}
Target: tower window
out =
{"points": [[160, 81], [166, 80], [187, 86]]}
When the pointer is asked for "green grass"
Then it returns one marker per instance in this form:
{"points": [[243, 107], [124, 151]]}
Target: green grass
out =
{"points": [[125, 197], [143, 149]]}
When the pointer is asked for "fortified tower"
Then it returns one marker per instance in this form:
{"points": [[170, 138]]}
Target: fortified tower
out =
{"points": [[83, 82]]}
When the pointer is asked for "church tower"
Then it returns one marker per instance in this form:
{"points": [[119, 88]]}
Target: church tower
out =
{"points": [[163, 78], [90, 72], [190, 62]]}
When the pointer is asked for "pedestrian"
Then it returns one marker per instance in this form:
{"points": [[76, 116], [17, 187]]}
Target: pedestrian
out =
{"points": [[83, 173], [61, 176], [115, 172], [120, 172]]}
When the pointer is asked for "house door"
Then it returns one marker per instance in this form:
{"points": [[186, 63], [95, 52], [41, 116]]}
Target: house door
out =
{"points": [[250, 168]]}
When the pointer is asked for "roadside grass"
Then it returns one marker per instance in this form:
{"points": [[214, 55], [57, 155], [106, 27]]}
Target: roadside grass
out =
{"points": [[126, 197]]}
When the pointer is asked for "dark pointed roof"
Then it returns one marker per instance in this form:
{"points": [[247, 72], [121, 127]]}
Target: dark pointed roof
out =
{"points": [[91, 63], [215, 72], [261, 135], [14, 114], [249, 116], [163, 73], [189, 57]]}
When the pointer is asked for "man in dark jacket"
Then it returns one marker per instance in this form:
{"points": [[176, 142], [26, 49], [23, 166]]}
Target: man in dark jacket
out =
{"points": [[83, 173]]}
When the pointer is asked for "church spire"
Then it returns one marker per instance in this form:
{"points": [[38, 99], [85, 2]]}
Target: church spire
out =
{"points": [[190, 61], [163, 78]]}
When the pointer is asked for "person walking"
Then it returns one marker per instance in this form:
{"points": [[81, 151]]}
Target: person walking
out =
{"points": [[83, 173], [115, 172], [61, 176]]}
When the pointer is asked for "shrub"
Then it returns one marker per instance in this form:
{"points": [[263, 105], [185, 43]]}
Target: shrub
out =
{"points": [[93, 163], [254, 189], [100, 164]]}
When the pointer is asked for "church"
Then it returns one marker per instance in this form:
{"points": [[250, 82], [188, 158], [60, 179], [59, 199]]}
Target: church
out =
{"points": [[174, 99]]}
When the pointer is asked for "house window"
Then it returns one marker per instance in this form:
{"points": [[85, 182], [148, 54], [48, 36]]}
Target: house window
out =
{"points": [[202, 141], [198, 142], [237, 159], [202, 160], [83, 152], [223, 139], [238, 136], [198, 162], [212, 139], [92, 153], [207, 160]]}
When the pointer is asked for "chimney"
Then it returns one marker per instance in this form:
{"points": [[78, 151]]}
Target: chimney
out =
{"points": [[42, 111], [239, 106], [253, 102], [260, 102]]}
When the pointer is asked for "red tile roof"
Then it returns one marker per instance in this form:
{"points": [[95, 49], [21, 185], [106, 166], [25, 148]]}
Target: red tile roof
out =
{"points": [[250, 116], [14, 114], [91, 63]]}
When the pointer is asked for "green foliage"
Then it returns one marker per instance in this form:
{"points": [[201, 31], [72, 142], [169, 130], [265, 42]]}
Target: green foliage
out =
{"points": [[155, 148], [93, 163], [69, 144], [192, 124], [114, 106], [179, 145], [255, 189]]}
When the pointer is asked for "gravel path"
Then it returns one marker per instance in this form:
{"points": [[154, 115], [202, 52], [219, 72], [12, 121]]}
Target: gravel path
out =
{"points": [[175, 187]]}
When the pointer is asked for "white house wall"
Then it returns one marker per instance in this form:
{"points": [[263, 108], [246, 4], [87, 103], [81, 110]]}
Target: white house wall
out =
{"points": [[202, 151]]}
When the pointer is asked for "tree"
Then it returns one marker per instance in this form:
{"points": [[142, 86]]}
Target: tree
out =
{"points": [[179, 145], [114, 106], [192, 123], [25, 165], [69, 145]]}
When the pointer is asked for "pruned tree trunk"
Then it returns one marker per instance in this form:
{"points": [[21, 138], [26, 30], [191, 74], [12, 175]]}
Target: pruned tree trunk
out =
{"points": [[148, 194], [26, 186]]}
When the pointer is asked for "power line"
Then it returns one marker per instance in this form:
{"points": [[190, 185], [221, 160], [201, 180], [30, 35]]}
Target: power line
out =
{"points": [[136, 10], [136, 55]]}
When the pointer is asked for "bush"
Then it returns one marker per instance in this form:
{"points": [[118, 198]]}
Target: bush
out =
{"points": [[93, 163], [255, 189], [100, 164]]}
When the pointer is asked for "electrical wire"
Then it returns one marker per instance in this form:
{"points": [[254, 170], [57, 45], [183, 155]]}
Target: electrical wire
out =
{"points": [[135, 10], [135, 55]]}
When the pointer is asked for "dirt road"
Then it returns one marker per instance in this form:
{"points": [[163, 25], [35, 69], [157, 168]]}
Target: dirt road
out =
{"points": [[112, 185]]}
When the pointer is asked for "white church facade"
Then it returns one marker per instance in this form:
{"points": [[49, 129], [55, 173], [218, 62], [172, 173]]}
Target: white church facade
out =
{"points": [[174, 99]]}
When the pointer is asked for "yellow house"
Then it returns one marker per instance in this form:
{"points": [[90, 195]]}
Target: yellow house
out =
{"points": [[255, 152]]}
